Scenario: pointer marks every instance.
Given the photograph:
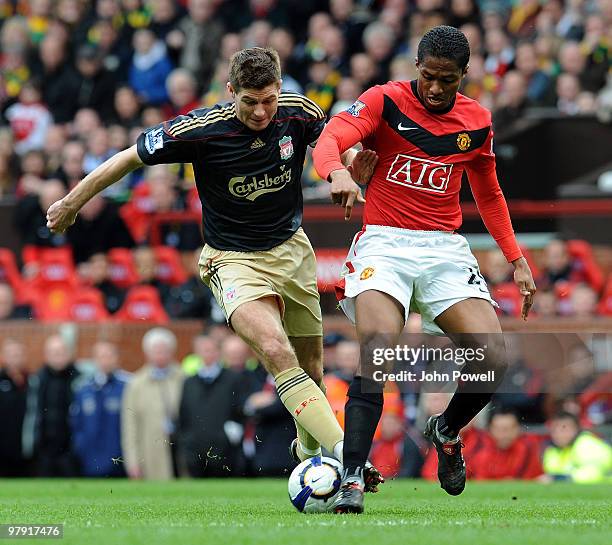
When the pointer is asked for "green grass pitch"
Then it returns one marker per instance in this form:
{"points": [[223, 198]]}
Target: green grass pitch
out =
{"points": [[243, 512]]}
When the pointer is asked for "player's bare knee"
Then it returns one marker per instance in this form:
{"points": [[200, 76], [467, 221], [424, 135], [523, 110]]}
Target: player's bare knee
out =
{"points": [[278, 354]]}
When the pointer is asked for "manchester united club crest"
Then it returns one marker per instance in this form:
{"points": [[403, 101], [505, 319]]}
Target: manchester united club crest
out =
{"points": [[463, 141], [366, 273], [286, 148]]}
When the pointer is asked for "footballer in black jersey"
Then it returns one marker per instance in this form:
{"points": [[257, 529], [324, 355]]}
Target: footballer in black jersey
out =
{"points": [[248, 158]]}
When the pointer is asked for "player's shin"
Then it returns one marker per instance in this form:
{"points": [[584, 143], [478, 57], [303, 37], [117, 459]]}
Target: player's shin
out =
{"points": [[362, 413], [308, 406], [472, 396], [308, 446]]}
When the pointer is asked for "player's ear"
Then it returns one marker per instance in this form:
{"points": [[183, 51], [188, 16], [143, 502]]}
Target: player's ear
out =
{"points": [[465, 70], [231, 90]]}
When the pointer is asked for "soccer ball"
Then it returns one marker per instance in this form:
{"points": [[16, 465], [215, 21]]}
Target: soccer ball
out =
{"points": [[314, 484]]}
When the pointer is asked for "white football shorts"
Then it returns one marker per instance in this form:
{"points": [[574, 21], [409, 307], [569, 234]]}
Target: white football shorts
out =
{"points": [[426, 271]]}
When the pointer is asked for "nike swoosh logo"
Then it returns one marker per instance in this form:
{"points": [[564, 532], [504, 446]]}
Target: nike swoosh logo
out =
{"points": [[402, 128], [315, 480]]}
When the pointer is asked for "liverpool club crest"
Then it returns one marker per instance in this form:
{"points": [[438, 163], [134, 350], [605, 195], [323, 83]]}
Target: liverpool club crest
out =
{"points": [[286, 148]]}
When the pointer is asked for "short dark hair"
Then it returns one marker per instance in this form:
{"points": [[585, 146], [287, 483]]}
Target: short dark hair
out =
{"points": [[566, 415], [254, 68], [445, 42], [504, 411]]}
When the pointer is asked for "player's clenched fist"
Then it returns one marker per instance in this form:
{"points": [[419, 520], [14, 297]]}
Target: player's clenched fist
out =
{"points": [[60, 216], [345, 191]]}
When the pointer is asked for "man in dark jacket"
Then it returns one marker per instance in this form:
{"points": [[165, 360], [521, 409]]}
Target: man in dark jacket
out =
{"points": [[46, 429], [95, 418], [210, 429], [13, 384]]}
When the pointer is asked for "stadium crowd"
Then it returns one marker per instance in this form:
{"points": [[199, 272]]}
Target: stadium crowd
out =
{"points": [[217, 414], [79, 80]]}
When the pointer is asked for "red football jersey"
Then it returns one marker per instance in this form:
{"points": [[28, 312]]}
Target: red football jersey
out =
{"points": [[422, 157]]}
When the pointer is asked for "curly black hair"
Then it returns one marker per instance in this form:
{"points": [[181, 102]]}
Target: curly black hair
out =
{"points": [[445, 42]]}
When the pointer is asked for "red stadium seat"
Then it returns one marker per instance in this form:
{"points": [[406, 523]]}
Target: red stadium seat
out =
{"points": [[52, 304], [169, 266], [508, 297], [605, 305], [55, 269], [582, 253], [142, 304], [9, 274], [136, 213], [122, 268], [87, 305]]}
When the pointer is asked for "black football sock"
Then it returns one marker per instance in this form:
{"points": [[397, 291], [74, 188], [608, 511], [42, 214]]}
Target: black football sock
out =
{"points": [[462, 408], [361, 415]]}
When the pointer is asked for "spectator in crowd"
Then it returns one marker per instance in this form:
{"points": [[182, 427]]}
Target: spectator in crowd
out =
{"points": [[96, 85], [379, 43], [29, 119], [500, 53], [31, 216], [235, 353], [575, 454], [210, 417], [183, 93], [198, 36], [387, 452], [546, 304], [192, 299], [97, 274], [508, 453], [583, 302], [71, 170], [127, 107], [512, 101], [96, 416], [558, 265], [568, 91], [13, 391], [149, 410], [149, 68], [58, 78], [537, 81], [522, 388], [8, 309], [98, 228], [283, 42], [46, 427], [268, 431]]}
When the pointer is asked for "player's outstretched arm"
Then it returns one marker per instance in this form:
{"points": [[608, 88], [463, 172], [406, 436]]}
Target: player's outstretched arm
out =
{"points": [[62, 214]]}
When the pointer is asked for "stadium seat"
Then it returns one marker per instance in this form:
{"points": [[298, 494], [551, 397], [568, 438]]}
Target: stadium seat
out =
{"points": [[87, 305], [605, 305], [122, 268], [508, 297], [169, 266], [9, 274], [135, 213], [52, 303], [55, 269], [142, 304], [582, 253]]}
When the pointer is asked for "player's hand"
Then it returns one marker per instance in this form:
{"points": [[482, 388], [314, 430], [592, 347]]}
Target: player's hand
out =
{"points": [[363, 166], [344, 191], [524, 280], [60, 216]]}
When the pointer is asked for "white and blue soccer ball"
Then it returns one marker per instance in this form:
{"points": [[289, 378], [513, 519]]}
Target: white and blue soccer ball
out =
{"points": [[314, 484]]}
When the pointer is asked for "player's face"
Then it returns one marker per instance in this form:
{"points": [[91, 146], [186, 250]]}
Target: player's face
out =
{"points": [[438, 82], [256, 107]]}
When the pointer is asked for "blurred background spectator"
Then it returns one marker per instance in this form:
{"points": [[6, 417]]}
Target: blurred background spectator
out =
{"points": [[150, 410], [96, 416]]}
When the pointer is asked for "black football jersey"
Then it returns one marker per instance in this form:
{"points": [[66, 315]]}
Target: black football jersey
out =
{"points": [[249, 181]]}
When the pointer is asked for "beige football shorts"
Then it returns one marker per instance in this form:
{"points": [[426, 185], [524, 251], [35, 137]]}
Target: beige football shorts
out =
{"points": [[287, 271]]}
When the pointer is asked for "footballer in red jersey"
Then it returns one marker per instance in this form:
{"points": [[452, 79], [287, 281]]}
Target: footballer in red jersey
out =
{"points": [[408, 255]]}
